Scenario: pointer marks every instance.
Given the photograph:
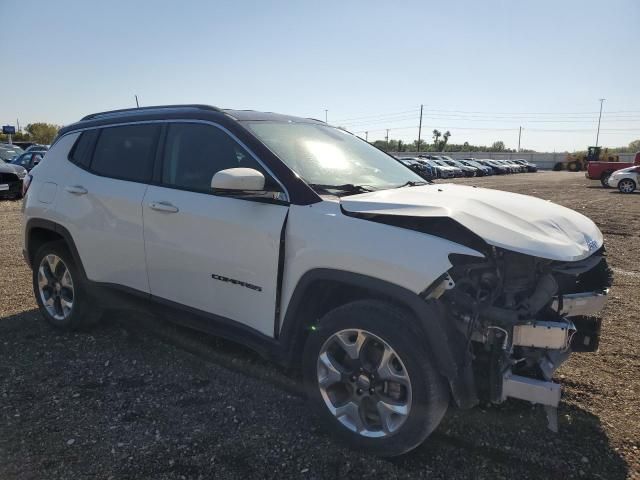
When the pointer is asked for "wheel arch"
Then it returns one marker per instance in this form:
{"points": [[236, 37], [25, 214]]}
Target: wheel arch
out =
{"points": [[39, 231], [321, 290]]}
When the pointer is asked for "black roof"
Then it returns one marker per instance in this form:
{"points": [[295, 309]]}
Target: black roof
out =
{"points": [[196, 111]]}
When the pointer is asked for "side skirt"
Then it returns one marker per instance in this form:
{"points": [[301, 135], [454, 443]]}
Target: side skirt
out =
{"points": [[125, 298]]}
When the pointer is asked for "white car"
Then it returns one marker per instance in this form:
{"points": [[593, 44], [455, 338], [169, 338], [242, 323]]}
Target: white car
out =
{"points": [[625, 180], [394, 297]]}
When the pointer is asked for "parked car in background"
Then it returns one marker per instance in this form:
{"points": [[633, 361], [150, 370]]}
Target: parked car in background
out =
{"points": [[443, 171], [597, 170], [483, 170], [531, 167], [625, 180], [497, 167], [457, 172], [518, 166], [28, 159], [466, 169], [423, 169], [37, 148], [513, 168], [9, 152], [11, 177]]}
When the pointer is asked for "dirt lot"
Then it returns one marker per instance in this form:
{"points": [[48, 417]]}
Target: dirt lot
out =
{"points": [[140, 399]]}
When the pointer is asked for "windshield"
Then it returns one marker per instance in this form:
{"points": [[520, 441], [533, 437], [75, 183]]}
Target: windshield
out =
{"points": [[323, 155], [7, 155]]}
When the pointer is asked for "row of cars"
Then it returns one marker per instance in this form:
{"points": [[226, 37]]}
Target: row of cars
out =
{"points": [[432, 167], [14, 165]]}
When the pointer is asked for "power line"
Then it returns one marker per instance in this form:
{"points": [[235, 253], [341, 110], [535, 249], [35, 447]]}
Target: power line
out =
{"points": [[567, 117], [340, 120], [513, 129]]}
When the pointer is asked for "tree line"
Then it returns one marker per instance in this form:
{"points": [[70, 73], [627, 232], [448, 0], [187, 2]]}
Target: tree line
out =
{"points": [[440, 144], [40, 132]]}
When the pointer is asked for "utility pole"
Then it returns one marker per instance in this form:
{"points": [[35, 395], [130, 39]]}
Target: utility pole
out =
{"points": [[420, 129], [18, 124], [599, 118], [366, 136], [137, 104], [387, 139], [519, 136], [325, 115]]}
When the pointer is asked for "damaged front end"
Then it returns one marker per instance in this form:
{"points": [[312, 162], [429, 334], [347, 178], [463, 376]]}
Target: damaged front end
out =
{"points": [[521, 317]]}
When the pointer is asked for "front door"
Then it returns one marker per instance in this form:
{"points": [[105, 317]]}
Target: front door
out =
{"points": [[217, 254]]}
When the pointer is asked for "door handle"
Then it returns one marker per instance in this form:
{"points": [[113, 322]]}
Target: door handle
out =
{"points": [[76, 189], [163, 207]]}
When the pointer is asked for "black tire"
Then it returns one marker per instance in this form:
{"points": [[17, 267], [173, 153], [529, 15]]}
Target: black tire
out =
{"points": [[624, 182], [85, 312], [604, 179], [430, 392]]}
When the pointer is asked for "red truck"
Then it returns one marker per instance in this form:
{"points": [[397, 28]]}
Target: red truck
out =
{"points": [[602, 170]]}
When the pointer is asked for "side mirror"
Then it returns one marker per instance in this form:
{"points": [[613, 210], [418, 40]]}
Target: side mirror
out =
{"points": [[239, 180]]}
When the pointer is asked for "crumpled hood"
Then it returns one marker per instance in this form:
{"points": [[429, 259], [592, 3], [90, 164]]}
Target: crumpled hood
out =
{"points": [[9, 168], [515, 222]]}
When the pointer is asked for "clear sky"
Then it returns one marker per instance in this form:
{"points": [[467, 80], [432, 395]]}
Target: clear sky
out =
{"points": [[481, 68]]}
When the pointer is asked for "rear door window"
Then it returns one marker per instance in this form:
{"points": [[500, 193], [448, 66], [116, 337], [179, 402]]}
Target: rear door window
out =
{"points": [[127, 152]]}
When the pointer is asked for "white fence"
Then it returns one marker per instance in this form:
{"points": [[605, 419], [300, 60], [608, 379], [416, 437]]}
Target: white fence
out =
{"points": [[544, 161]]}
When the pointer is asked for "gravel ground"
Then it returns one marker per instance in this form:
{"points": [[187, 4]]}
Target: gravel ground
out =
{"points": [[137, 398]]}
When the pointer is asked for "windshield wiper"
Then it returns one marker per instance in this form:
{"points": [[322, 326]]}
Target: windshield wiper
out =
{"points": [[347, 188], [413, 183]]}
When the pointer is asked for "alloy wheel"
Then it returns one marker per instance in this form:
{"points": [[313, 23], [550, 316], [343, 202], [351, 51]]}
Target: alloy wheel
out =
{"points": [[55, 286], [364, 383], [626, 186]]}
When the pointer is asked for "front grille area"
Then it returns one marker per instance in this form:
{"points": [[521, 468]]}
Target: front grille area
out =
{"points": [[8, 177]]}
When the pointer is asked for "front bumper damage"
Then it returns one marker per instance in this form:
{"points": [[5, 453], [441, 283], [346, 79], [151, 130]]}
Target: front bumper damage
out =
{"points": [[558, 339], [524, 316]]}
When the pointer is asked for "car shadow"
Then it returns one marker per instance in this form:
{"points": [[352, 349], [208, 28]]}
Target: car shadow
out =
{"points": [[514, 436], [488, 441]]}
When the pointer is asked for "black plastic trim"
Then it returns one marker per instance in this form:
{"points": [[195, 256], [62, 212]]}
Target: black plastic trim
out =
{"points": [[193, 318], [281, 258], [60, 230], [429, 319]]}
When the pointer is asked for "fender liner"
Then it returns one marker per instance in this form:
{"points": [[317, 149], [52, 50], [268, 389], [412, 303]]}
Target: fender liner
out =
{"points": [[43, 224], [442, 342]]}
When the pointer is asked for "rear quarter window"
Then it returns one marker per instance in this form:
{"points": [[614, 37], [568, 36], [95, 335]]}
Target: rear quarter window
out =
{"points": [[83, 148]]}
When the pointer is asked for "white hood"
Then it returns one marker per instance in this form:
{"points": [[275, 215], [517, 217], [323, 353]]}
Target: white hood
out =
{"points": [[515, 222]]}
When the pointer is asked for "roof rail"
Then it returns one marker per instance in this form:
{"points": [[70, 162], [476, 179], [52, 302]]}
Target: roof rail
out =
{"points": [[108, 113]]}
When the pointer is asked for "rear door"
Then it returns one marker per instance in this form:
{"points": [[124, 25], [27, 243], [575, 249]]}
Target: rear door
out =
{"points": [[217, 254], [103, 202]]}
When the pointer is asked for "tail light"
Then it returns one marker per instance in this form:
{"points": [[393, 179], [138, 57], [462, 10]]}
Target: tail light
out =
{"points": [[25, 184]]}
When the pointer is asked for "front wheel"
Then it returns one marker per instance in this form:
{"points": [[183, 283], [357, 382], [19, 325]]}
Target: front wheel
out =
{"points": [[370, 380], [626, 185]]}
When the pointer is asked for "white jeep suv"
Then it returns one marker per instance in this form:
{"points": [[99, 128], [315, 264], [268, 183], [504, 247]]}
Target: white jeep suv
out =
{"points": [[395, 297]]}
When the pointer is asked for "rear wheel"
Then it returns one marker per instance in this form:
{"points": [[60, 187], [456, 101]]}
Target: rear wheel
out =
{"points": [[61, 292], [626, 185], [370, 380]]}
